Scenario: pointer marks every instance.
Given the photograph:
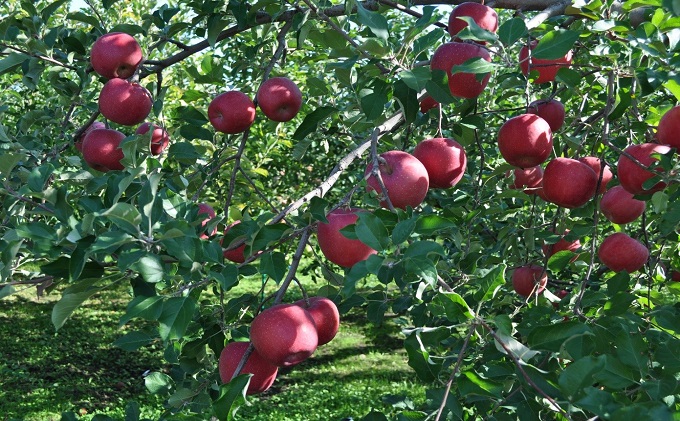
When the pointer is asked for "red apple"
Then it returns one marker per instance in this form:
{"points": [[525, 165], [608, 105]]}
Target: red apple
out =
{"points": [[206, 209], [525, 141], [668, 131], [336, 247], [427, 104], [619, 206], [124, 102], [326, 317], [529, 179], [484, 16], [675, 276], [464, 85], [115, 55], [569, 183], [550, 110], [546, 68], [595, 163], [404, 176], [101, 149], [236, 255], [562, 245], [620, 252], [631, 176], [231, 112], [444, 159], [94, 125], [279, 98], [264, 373], [284, 334], [159, 137], [529, 280]]}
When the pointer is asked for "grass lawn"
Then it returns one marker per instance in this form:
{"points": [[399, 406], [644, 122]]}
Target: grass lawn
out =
{"points": [[43, 373]]}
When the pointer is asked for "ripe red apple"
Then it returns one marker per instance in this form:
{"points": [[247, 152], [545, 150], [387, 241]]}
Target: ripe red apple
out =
{"points": [[94, 125], [529, 280], [525, 140], [326, 317], [101, 149], [620, 252], [236, 255], [279, 98], [427, 104], [619, 206], [444, 159], [284, 334], [115, 55], [206, 209], [231, 112], [464, 85], [546, 68], [264, 373], [529, 179], [336, 247], [484, 16], [550, 110], [631, 176], [675, 275], [668, 131], [159, 137], [595, 163], [562, 245], [404, 176], [124, 102], [569, 183]]}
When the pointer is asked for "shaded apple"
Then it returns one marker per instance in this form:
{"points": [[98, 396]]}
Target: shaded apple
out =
{"points": [[620, 207], [115, 55], [326, 317], [159, 137], [264, 373], [568, 183], [336, 247], [206, 209], [444, 159], [404, 176], [547, 68], [525, 140], [529, 280], [595, 163], [231, 112], [529, 179], [95, 125], [484, 16], [668, 131], [550, 110], [124, 102], [101, 149], [621, 252], [236, 255], [279, 98], [562, 245], [631, 175], [427, 104], [463, 85]]}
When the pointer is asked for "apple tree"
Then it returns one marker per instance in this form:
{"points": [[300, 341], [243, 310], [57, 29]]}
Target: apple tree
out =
{"points": [[529, 251]]}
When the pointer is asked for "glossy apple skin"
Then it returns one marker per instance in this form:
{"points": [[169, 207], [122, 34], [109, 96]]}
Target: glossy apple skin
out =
{"points": [[484, 16], [159, 137], [621, 252], [444, 159], [231, 112], [101, 149], [547, 69], [264, 373], [569, 183], [124, 102], [528, 279], [115, 55], [668, 131], [595, 164], [525, 141], [529, 179], [236, 255], [336, 247], [94, 125], [279, 98], [206, 209], [427, 104], [284, 334], [550, 110], [620, 207], [463, 85], [326, 317], [631, 176], [405, 178]]}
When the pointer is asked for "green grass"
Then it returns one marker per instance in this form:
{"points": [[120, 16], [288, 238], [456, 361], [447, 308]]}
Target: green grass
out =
{"points": [[43, 373]]}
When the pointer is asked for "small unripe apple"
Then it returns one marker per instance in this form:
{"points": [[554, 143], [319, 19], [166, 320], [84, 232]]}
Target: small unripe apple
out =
{"points": [[484, 16], [444, 159], [115, 55], [596, 165], [631, 176], [619, 206], [525, 140], [231, 112], [621, 252], [284, 334], [569, 183], [279, 98], [404, 176], [94, 125], [326, 317], [547, 68], [529, 179], [550, 110], [427, 104], [236, 255], [124, 102], [101, 149], [668, 131], [529, 280], [159, 137], [336, 247], [206, 209], [463, 85], [264, 373]]}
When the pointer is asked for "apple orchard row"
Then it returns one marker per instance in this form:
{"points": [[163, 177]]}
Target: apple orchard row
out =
{"points": [[286, 334]]}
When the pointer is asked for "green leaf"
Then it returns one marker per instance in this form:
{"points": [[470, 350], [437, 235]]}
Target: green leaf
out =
{"points": [[274, 264], [312, 120], [215, 26], [39, 176], [376, 22], [147, 308], [430, 224], [424, 248], [70, 300], [124, 215], [579, 375], [12, 61], [476, 65], [49, 10], [555, 44], [515, 347], [438, 87], [416, 78], [8, 161], [474, 32], [403, 230], [511, 30], [457, 310], [175, 317], [267, 235], [373, 105], [232, 396], [551, 337], [560, 260], [408, 100], [111, 241], [150, 267], [471, 383], [132, 411], [158, 383], [132, 341], [371, 231], [423, 268]]}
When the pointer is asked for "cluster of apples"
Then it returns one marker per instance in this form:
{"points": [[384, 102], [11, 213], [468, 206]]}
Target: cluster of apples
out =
{"points": [[282, 336]]}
